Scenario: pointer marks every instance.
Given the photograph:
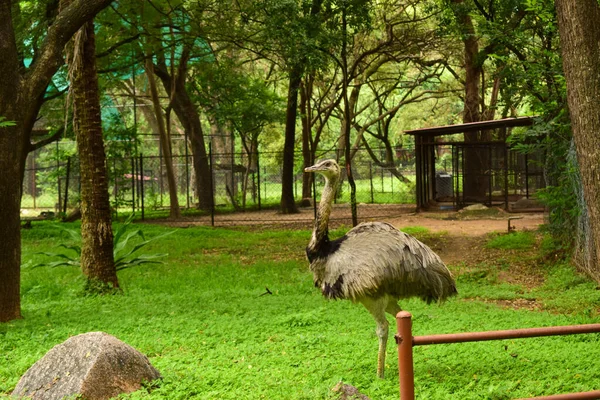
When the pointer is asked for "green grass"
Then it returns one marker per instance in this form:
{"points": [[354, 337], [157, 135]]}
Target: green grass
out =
{"points": [[204, 322], [513, 241]]}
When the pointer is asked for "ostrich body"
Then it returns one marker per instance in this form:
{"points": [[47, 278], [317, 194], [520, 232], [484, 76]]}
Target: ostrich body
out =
{"points": [[374, 264]]}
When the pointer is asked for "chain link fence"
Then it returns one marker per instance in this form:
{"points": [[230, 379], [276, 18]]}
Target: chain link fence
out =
{"points": [[243, 191]]}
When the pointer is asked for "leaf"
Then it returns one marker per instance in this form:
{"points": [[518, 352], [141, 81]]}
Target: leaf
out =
{"points": [[121, 253], [145, 259], [123, 228], [5, 123], [121, 244]]}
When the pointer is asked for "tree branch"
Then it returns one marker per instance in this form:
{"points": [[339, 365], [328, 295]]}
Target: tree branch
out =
{"points": [[67, 22], [117, 45], [54, 137]]}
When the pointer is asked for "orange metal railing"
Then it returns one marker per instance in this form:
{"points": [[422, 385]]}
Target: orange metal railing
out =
{"points": [[406, 341]]}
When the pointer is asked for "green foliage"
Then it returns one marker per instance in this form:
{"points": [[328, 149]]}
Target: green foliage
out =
{"points": [[512, 241], [96, 287], [204, 325], [5, 123], [233, 97], [539, 79], [415, 230], [121, 141], [123, 251]]}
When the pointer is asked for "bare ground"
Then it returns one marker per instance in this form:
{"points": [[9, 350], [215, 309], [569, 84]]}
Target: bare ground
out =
{"points": [[462, 223], [460, 243]]}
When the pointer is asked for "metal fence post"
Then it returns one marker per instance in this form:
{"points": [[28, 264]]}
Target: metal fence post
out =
{"points": [[258, 179], [371, 181], [141, 193], [66, 198], [133, 184], [212, 183], [187, 170], [405, 355], [265, 182]]}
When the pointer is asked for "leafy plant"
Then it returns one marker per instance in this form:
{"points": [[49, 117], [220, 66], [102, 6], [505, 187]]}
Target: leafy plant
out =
{"points": [[4, 122], [123, 254]]}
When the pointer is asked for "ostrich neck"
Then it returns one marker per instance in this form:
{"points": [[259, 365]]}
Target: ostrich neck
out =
{"points": [[321, 230]]}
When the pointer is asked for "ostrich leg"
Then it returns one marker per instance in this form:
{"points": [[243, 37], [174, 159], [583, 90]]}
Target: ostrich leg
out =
{"points": [[392, 307], [377, 309]]}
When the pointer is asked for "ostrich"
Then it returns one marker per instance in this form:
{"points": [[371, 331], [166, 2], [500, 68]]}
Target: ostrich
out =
{"points": [[374, 264]]}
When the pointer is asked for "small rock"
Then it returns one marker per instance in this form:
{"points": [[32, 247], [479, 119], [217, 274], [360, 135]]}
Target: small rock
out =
{"points": [[92, 365], [348, 392]]}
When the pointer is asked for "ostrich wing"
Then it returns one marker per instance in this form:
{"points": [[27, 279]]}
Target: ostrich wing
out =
{"points": [[376, 259]]}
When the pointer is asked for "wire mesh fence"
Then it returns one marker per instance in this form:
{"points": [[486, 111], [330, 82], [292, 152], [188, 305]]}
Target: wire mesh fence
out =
{"points": [[244, 191]]}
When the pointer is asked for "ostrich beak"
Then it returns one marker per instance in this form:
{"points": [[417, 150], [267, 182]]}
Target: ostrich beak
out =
{"points": [[311, 169]]}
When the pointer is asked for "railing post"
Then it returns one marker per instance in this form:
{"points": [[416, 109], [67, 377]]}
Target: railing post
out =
{"points": [[405, 355]]}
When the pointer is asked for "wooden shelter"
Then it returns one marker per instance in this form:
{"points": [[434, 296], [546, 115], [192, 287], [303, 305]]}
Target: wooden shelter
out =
{"points": [[488, 172]]}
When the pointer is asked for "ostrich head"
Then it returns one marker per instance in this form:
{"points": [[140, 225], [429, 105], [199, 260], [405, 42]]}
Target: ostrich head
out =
{"points": [[328, 168]]}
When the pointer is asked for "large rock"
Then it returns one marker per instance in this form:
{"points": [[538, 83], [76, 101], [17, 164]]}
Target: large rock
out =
{"points": [[92, 365]]}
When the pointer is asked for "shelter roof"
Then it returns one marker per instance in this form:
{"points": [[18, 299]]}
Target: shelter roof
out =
{"points": [[472, 126]]}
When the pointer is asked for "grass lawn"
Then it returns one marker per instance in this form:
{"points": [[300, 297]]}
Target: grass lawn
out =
{"points": [[206, 324]]}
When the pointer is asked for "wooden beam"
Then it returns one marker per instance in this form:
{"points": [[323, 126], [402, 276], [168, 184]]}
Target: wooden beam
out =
{"points": [[472, 126]]}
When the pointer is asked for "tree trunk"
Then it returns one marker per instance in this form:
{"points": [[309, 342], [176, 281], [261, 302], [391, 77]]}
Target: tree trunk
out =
{"points": [[12, 163], [288, 203], [97, 261], [476, 159], [580, 43], [12, 156], [347, 122], [175, 212], [305, 108], [190, 119]]}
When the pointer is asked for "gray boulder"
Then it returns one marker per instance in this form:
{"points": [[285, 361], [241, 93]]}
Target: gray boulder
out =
{"points": [[92, 365]]}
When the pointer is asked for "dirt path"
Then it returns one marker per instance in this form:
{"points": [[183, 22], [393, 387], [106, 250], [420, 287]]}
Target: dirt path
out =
{"points": [[469, 227], [466, 231], [454, 223]]}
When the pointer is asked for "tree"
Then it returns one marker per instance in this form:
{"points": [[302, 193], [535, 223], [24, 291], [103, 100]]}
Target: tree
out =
{"points": [[580, 42], [496, 24], [286, 32], [97, 261], [234, 97], [174, 36], [394, 62], [296, 72], [318, 100], [174, 211], [22, 91]]}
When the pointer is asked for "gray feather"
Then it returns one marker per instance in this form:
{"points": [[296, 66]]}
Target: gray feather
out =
{"points": [[375, 259]]}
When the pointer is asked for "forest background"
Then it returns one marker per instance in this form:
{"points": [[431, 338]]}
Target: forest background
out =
{"points": [[320, 77]]}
